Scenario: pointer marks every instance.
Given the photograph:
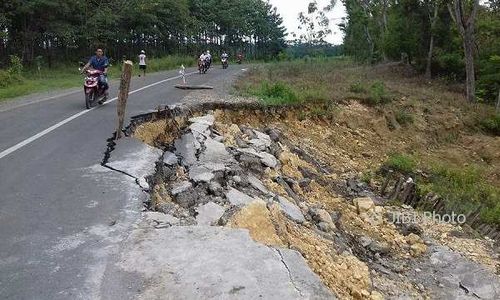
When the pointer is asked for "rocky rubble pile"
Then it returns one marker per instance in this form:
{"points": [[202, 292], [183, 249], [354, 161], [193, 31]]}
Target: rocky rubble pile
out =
{"points": [[222, 174]]}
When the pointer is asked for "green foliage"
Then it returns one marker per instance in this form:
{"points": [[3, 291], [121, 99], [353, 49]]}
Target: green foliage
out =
{"points": [[464, 190], [13, 74], [450, 64], [169, 62], [357, 88], [404, 117], [492, 124], [71, 30], [402, 30], [378, 94], [402, 163], [277, 93], [293, 81], [16, 66]]}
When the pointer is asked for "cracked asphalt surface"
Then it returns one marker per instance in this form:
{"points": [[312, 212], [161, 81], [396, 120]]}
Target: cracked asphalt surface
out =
{"points": [[62, 215]]}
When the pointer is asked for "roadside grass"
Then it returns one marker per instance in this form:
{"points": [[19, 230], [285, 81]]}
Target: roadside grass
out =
{"points": [[463, 189], [403, 163], [293, 82], [67, 76]]}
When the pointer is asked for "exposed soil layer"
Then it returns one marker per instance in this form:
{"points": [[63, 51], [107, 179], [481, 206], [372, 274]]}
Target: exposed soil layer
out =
{"points": [[243, 166]]}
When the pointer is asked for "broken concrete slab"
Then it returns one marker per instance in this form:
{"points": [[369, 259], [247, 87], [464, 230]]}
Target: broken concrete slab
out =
{"points": [[199, 173], [186, 148], [268, 160], [249, 151], [291, 210], [204, 171], [206, 119], [301, 277], [201, 262], [170, 159], [134, 158], [460, 278], [258, 144], [261, 142], [215, 152], [266, 139], [209, 214], [200, 131], [158, 219], [235, 197], [181, 187], [257, 184]]}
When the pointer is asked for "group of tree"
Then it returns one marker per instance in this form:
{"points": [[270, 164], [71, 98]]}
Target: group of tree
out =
{"points": [[67, 30], [458, 39]]}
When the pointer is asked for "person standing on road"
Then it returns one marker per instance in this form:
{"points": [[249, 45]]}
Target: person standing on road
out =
{"points": [[142, 62]]}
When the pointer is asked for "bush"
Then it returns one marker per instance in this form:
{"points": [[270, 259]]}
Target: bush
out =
{"points": [[450, 64], [492, 124], [16, 66], [357, 88], [378, 94], [278, 93], [402, 163], [5, 78], [404, 117]]}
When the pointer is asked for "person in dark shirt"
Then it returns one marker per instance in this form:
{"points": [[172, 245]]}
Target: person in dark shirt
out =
{"points": [[100, 62]]}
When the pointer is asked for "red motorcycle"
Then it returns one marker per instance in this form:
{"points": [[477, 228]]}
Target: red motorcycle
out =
{"points": [[94, 93]]}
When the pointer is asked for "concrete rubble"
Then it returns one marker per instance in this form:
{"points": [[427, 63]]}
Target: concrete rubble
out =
{"points": [[203, 184]]}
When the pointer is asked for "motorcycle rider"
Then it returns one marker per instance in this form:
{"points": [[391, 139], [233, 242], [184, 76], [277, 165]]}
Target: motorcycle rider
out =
{"points": [[224, 56], [240, 57], [208, 58], [100, 62]]}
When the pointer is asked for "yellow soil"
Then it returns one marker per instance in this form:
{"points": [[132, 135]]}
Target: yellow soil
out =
{"points": [[257, 219]]}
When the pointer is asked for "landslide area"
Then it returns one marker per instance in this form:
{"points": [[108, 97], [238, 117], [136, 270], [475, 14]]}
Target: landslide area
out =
{"points": [[325, 164]]}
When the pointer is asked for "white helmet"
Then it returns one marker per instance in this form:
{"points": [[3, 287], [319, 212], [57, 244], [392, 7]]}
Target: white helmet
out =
{"points": [[208, 51], [143, 52]]}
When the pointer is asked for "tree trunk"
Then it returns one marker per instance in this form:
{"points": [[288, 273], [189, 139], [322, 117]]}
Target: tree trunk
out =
{"points": [[466, 27], [428, 72], [470, 81], [432, 19]]}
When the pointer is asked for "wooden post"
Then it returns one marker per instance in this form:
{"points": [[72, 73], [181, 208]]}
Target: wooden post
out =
{"points": [[123, 95]]}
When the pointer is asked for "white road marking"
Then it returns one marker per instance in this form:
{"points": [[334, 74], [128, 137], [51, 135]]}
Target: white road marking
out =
{"points": [[71, 118]]}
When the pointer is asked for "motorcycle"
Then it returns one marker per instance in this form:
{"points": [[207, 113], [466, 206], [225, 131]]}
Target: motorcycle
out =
{"points": [[202, 66], [224, 62], [94, 93]]}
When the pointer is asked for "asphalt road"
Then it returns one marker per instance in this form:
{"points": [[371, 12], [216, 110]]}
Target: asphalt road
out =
{"points": [[62, 215]]}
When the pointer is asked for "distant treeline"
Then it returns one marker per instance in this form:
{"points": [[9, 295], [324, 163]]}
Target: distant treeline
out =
{"points": [[50, 31], [447, 38]]}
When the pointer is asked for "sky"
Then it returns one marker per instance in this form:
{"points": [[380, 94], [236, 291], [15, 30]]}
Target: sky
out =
{"points": [[290, 9]]}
